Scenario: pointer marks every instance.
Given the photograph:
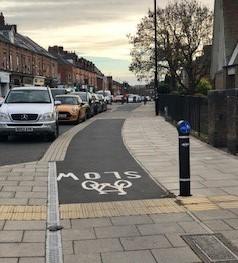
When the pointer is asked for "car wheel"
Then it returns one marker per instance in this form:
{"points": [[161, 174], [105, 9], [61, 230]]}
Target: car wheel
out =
{"points": [[88, 115], [85, 117], [3, 138], [55, 134], [78, 120]]}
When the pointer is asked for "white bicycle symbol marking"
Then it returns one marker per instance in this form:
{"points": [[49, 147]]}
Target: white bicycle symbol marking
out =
{"points": [[105, 188]]}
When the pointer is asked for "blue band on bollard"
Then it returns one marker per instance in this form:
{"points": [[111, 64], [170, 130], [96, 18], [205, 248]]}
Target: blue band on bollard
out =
{"points": [[184, 127]]}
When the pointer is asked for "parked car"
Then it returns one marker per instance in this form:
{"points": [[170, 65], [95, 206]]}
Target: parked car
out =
{"points": [[58, 91], [107, 94], [118, 98], [29, 110], [86, 97], [97, 104], [1, 101], [71, 108], [103, 102]]}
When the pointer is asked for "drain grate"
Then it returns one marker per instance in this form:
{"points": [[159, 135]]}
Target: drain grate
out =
{"points": [[212, 248]]}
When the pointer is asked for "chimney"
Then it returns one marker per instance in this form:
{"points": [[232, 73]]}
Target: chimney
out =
{"points": [[2, 19]]}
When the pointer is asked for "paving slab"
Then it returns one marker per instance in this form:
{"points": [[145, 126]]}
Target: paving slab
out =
{"points": [[92, 222], [8, 260], [176, 240], [131, 220], [128, 257], [92, 258], [217, 225], [25, 225], [192, 227], [32, 260], [10, 250], [145, 242], [67, 247], [175, 255], [232, 222], [33, 236], [78, 234], [11, 236], [153, 229], [169, 218], [214, 214], [116, 231], [97, 246]]}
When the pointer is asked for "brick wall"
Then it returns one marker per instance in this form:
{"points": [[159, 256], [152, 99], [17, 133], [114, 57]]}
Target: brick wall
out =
{"points": [[19, 60]]}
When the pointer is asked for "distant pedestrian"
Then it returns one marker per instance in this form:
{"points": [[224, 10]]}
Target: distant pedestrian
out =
{"points": [[145, 100]]}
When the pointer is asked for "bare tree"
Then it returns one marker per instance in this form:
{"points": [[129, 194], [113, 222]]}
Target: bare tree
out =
{"points": [[184, 27]]}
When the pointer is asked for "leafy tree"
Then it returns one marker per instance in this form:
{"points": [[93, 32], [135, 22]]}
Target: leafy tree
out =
{"points": [[203, 86], [183, 27]]}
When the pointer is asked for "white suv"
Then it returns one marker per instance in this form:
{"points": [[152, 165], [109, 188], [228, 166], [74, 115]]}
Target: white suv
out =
{"points": [[29, 110]]}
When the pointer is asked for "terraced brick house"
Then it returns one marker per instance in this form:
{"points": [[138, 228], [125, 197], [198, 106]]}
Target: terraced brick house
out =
{"points": [[23, 61], [77, 71]]}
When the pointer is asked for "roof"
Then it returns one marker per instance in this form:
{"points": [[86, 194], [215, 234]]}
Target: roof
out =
{"points": [[26, 42], [61, 60], [23, 42], [4, 39]]}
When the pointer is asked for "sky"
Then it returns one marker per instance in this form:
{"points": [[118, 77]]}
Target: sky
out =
{"points": [[94, 29]]}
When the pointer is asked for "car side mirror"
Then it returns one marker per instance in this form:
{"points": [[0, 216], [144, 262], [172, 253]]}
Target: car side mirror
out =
{"points": [[57, 102]]}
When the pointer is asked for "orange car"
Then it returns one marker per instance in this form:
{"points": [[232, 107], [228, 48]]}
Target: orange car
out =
{"points": [[71, 108]]}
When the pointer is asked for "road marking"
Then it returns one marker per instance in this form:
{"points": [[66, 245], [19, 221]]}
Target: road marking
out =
{"points": [[63, 175], [97, 176], [92, 176], [106, 188]]}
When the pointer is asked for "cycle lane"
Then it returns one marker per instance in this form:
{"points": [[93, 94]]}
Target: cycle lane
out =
{"points": [[99, 168]]}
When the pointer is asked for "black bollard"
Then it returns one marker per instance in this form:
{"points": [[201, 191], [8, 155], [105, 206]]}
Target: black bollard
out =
{"points": [[184, 129]]}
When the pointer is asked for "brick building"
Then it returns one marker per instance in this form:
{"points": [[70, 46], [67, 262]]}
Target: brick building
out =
{"points": [[22, 61], [224, 69], [75, 71]]}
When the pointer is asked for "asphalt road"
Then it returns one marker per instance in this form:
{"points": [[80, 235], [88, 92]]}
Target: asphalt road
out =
{"points": [[19, 149], [99, 168]]}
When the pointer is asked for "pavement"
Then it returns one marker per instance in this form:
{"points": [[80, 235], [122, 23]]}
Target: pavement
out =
{"points": [[127, 231]]}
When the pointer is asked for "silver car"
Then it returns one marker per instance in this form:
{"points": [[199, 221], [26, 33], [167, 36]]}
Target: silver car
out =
{"points": [[29, 110]]}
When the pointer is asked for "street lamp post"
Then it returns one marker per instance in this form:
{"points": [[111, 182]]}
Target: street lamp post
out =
{"points": [[156, 86]]}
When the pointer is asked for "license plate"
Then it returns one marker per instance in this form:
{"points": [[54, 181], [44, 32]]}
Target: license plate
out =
{"points": [[62, 116], [24, 129]]}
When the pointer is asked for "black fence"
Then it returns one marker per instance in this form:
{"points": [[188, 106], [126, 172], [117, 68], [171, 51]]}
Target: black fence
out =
{"points": [[191, 108]]}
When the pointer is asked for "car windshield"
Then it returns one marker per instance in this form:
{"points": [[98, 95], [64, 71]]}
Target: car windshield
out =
{"points": [[57, 91], [83, 96], [67, 100], [28, 96]]}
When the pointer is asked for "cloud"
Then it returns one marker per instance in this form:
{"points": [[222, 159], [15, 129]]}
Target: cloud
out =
{"points": [[95, 28]]}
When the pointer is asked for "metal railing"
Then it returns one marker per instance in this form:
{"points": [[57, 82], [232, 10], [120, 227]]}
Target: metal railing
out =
{"points": [[191, 108]]}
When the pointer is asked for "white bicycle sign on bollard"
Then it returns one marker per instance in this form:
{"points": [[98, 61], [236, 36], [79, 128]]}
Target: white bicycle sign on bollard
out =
{"points": [[106, 188]]}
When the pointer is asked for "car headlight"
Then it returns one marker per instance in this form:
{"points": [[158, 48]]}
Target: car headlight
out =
{"points": [[49, 116], [74, 110], [4, 117]]}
